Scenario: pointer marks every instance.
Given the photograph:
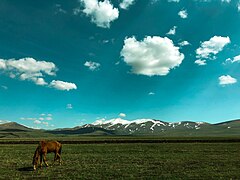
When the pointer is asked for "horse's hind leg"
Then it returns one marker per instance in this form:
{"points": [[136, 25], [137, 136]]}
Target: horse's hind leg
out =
{"points": [[44, 159]]}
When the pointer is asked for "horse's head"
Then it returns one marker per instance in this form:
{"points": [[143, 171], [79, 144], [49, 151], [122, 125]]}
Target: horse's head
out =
{"points": [[35, 159]]}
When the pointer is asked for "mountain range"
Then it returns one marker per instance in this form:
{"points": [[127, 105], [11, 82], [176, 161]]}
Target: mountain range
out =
{"points": [[139, 127]]}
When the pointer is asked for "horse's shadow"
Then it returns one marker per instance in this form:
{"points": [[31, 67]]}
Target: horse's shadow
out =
{"points": [[25, 169]]}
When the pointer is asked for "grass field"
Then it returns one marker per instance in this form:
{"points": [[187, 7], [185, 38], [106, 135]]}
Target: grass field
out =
{"points": [[127, 161]]}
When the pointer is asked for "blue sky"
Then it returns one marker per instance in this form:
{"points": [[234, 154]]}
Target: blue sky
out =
{"points": [[67, 63]]}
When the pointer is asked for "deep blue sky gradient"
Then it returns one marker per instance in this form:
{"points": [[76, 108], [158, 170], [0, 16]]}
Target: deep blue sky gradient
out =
{"points": [[189, 92]]}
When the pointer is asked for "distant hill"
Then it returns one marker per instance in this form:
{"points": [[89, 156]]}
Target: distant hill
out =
{"points": [[13, 126], [139, 127], [15, 130]]}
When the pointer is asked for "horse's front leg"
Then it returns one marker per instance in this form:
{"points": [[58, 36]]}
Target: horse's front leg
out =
{"points": [[55, 158], [45, 159], [41, 160], [59, 157]]}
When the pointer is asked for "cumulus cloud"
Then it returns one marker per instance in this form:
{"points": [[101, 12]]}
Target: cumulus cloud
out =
{"points": [[29, 69], [184, 43], [28, 118], [208, 49], [102, 13], [92, 65], [200, 62], [152, 56], [42, 117], [226, 79], [40, 121], [45, 123], [37, 122], [172, 31], [183, 14], [122, 115], [126, 3], [48, 118], [61, 85], [235, 59]]}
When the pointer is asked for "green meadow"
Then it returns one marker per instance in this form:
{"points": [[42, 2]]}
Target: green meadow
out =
{"points": [[126, 161]]}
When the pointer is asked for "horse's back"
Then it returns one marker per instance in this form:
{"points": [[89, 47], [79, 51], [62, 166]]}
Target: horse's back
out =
{"points": [[50, 146]]}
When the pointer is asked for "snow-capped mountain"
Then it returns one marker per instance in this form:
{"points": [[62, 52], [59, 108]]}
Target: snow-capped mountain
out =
{"points": [[146, 126]]}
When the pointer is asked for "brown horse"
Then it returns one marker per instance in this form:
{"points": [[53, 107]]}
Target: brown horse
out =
{"points": [[45, 147]]}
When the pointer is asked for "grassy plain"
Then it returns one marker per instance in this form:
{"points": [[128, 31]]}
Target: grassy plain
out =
{"points": [[127, 161]]}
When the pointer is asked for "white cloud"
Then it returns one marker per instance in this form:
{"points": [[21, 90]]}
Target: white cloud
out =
{"points": [[69, 106], [226, 79], [48, 118], [37, 122], [126, 3], [2, 64], [172, 31], [151, 93], [32, 70], [28, 119], [235, 59], [122, 115], [184, 43], [173, 0], [152, 56], [92, 65], [238, 6], [208, 49], [28, 69], [227, 1], [45, 123], [183, 14], [102, 13], [61, 85], [200, 62]]}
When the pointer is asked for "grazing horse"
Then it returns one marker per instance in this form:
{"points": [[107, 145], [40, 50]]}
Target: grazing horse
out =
{"points": [[45, 147]]}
